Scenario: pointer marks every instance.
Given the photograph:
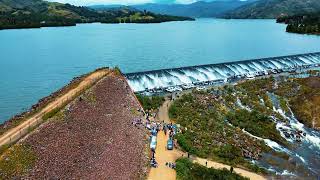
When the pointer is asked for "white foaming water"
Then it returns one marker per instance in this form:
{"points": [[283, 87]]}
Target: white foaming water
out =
{"points": [[294, 124], [173, 77], [300, 152], [286, 173], [239, 103], [274, 145]]}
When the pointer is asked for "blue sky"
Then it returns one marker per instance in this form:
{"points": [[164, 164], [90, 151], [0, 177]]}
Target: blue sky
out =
{"points": [[124, 2]]}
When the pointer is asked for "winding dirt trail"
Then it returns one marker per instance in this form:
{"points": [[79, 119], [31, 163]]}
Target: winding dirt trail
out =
{"points": [[21, 130], [163, 155]]}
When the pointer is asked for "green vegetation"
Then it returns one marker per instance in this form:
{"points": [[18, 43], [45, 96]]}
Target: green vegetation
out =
{"points": [[213, 121], [283, 104], [304, 100], [146, 17], [206, 134], [301, 16], [16, 161], [186, 170], [150, 103], [302, 24], [255, 123], [257, 86], [272, 9], [54, 111], [117, 71], [37, 13]]}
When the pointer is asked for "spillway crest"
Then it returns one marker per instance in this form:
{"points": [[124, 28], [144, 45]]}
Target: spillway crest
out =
{"points": [[141, 81]]}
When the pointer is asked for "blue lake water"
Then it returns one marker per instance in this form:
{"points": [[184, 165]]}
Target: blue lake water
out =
{"points": [[36, 62]]}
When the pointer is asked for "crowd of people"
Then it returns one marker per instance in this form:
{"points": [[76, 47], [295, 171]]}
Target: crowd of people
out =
{"points": [[154, 128]]}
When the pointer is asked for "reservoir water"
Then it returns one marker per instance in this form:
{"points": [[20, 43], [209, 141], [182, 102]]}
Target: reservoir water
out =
{"points": [[36, 62]]}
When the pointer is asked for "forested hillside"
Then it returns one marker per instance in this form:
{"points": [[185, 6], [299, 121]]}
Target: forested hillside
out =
{"points": [[37, 13], [271, 9]]}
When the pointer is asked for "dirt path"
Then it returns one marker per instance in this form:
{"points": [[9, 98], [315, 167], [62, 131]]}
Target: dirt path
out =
{"points": [[217, 165], [163, 155], [16, 133]]}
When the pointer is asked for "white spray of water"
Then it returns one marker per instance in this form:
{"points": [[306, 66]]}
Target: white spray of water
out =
{"points": [[175, 77]]}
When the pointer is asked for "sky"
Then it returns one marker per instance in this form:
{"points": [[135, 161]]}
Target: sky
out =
{"points": [[123, 2]]}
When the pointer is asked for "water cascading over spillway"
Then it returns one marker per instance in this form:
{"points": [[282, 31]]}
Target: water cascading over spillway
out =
{"points": [[163, 78]]}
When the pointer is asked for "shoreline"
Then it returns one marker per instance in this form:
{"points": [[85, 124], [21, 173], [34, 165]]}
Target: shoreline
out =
{"points": [[45, 100], [88, 131], [47, 106], [75, 24], [15, 120]]}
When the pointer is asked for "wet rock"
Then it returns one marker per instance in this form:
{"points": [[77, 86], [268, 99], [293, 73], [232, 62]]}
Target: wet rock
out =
{"points": [[286, 134]]}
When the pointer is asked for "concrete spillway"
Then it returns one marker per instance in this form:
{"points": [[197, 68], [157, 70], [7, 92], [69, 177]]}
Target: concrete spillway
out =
{"points": [[141, 81]]}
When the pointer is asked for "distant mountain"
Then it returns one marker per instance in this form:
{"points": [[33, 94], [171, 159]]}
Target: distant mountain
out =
{"points": [[38, 13], [270, 9], [197, 9]]}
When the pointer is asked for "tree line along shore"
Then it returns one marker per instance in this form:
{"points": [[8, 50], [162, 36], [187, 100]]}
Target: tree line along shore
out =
{"points": [[37, 13], [308, 23]]}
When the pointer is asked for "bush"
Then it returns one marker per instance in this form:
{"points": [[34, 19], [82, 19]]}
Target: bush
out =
{"points": [[150, 103], [230, 153], [188, 170], [185, 144], [256, 123], [16, 161]]}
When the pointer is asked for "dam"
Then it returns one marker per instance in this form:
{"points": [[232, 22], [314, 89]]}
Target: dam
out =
{"points": [[164, 78]]}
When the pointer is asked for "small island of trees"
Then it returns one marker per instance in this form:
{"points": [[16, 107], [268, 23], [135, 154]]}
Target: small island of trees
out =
{"points": [[302, 24]]}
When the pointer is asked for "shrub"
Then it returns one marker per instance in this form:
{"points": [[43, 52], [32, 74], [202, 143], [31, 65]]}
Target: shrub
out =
{"points": [[188, 170], [230, 153], [255, 123], [16, 161], [150, 103]]}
